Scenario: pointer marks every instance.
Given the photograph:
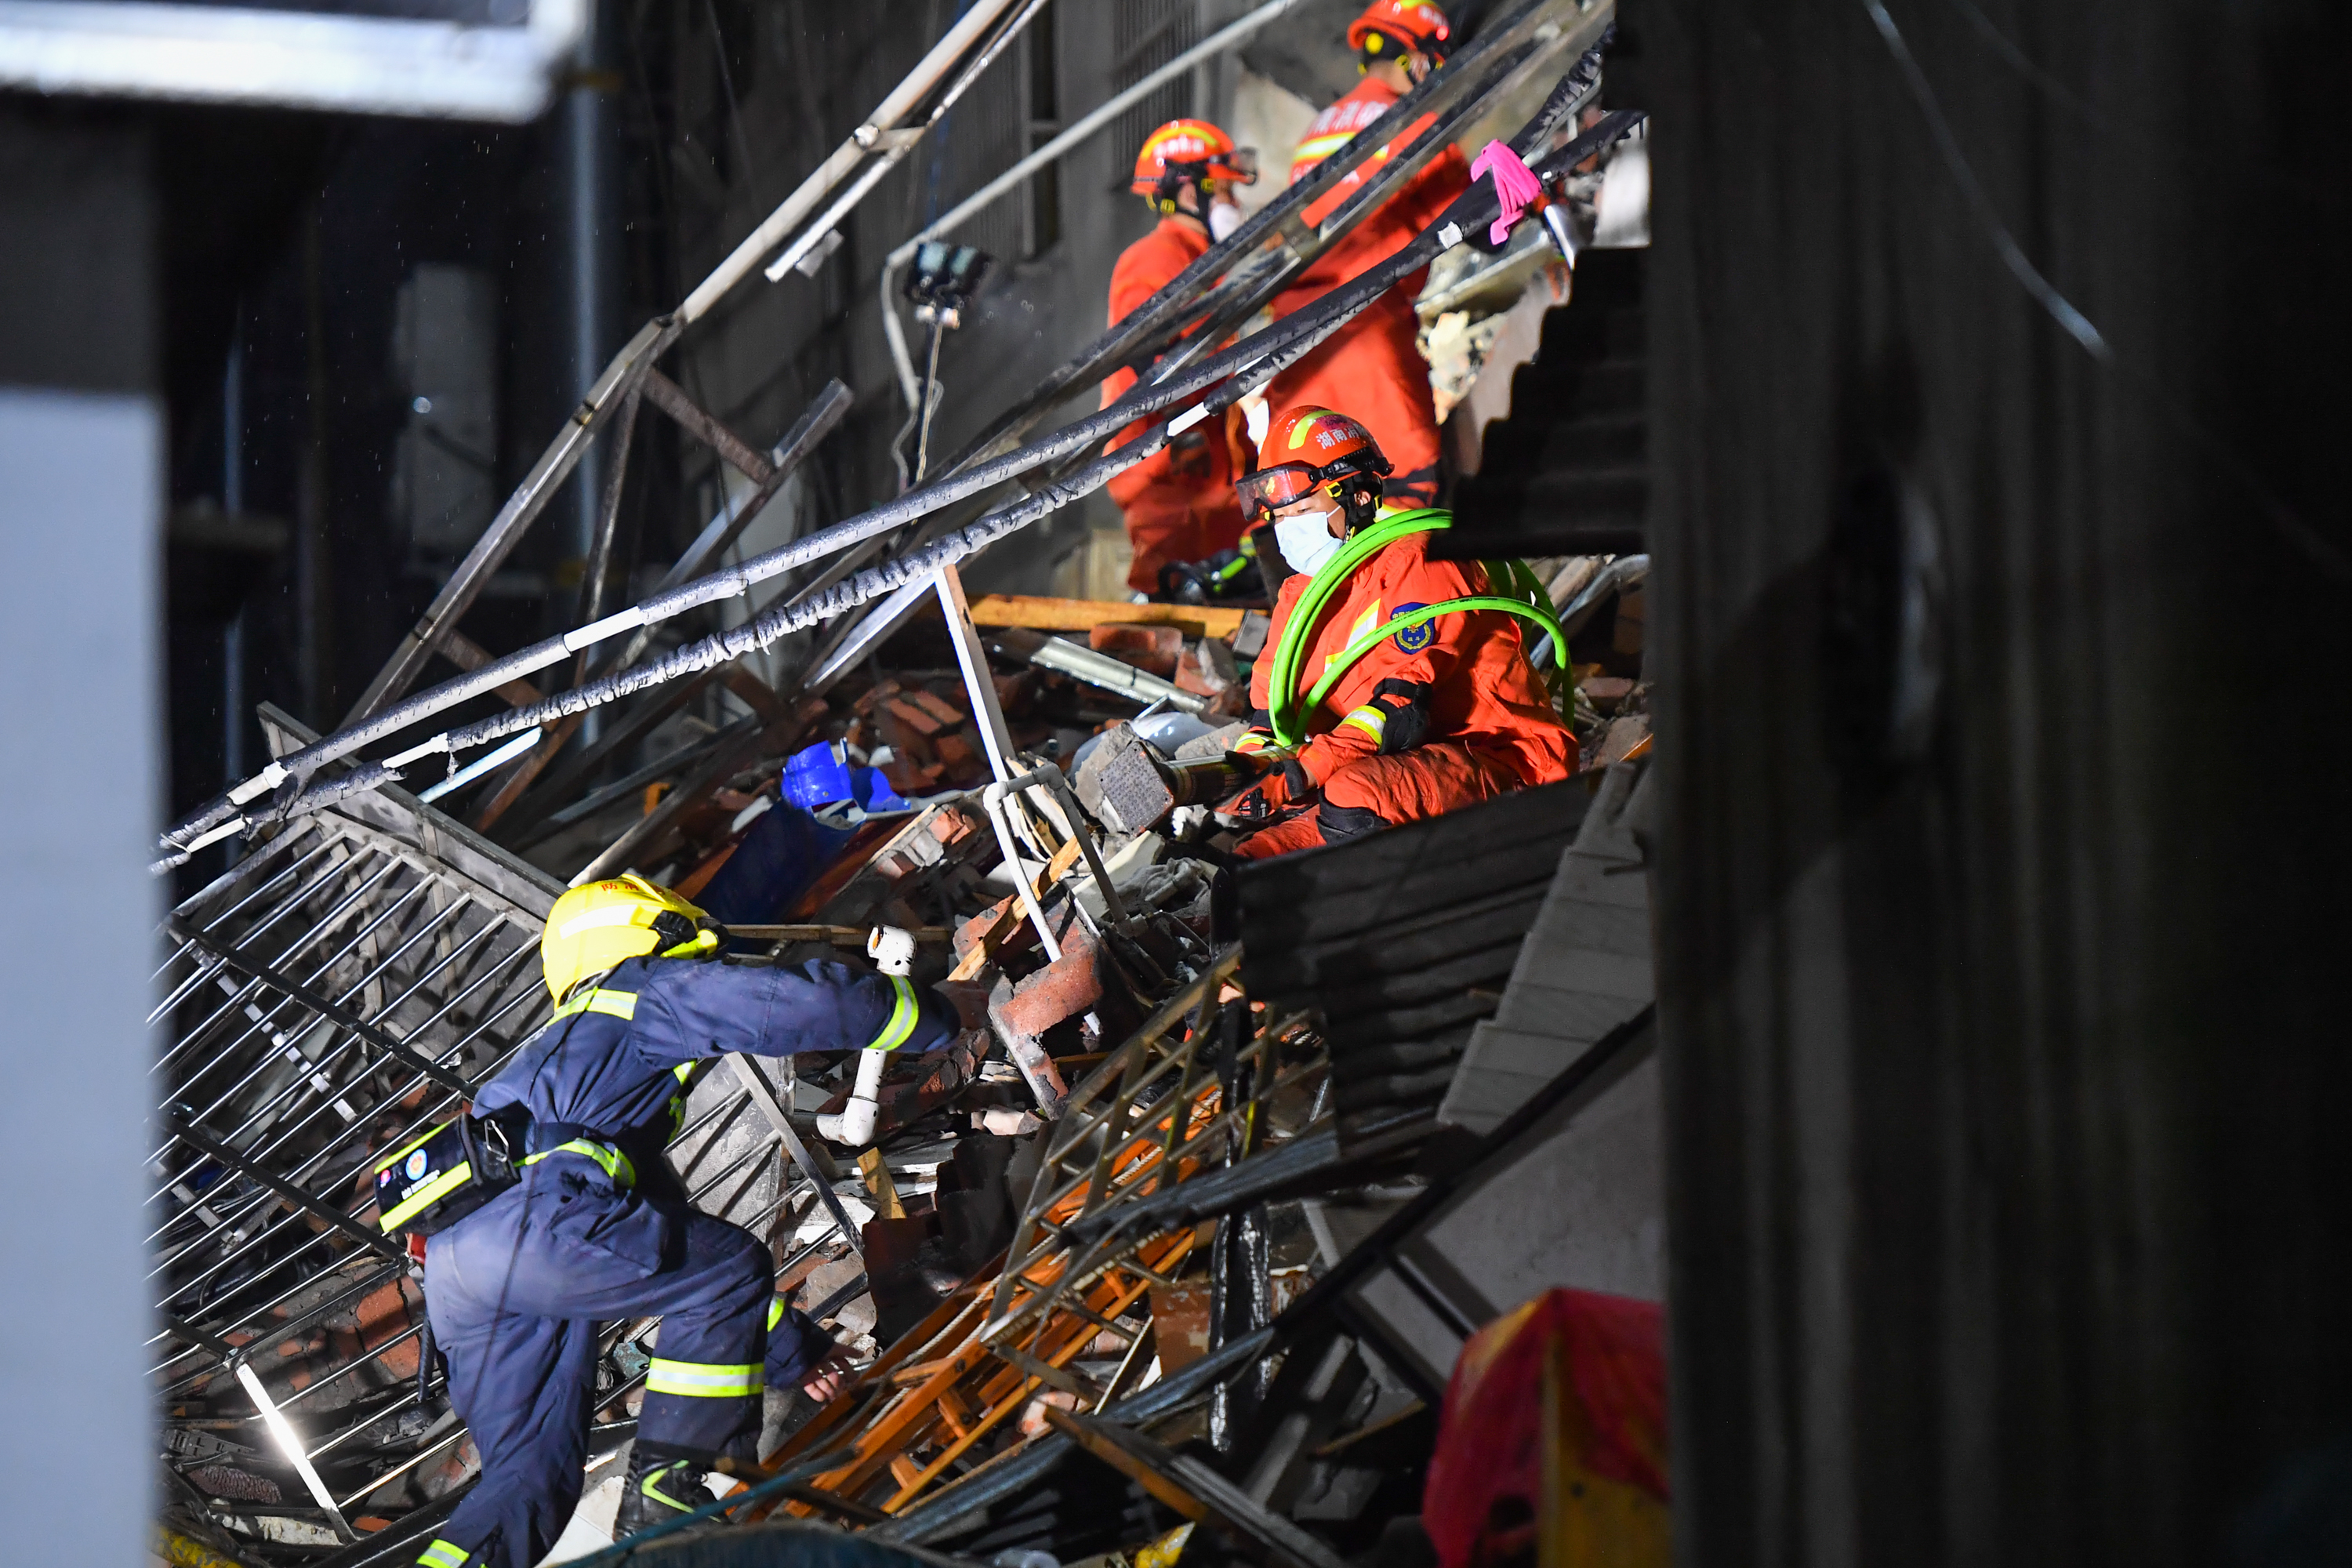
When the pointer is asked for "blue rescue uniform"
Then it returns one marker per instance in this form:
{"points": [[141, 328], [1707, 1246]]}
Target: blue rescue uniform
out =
{"points": [[599, 1229]]}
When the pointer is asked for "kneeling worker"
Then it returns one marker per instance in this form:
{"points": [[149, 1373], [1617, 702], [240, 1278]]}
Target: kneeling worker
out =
{"points": [[598, 1226], [1178, 503], [1394, 687]]}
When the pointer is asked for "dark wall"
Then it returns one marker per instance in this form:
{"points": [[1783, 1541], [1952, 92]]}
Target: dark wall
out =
{"points": [[2003, 710]]}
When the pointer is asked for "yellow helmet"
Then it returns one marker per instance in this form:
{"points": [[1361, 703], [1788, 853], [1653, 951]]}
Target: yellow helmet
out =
{"points": [[595, 927]]}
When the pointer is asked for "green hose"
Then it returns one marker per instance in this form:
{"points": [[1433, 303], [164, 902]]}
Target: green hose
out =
{"points": [[1287, 713]]}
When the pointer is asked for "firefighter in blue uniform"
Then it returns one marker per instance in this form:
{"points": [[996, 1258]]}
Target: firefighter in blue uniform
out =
{"points": [[599, 1227]]}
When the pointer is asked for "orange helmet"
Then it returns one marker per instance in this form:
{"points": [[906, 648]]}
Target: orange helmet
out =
{"points": [[1305, 447], [1189, 149], [1394, 26]]}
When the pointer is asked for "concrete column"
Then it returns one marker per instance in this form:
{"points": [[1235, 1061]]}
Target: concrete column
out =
{"points": [[82, 487]]}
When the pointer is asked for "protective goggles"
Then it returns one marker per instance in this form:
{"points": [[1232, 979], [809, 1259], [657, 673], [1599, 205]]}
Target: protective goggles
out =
{"points": [[1239, 165], [1269, 488]]}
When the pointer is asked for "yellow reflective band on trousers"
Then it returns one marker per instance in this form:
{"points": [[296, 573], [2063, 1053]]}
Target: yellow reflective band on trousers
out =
{"points": [[775, 1312], [619, 1004], [447, 1182], [903, 1013], [614, 1163], [703, 1379], [443, 1554]]}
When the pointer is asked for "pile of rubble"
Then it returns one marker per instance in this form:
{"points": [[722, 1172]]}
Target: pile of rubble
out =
{"points": [[1078, 1218]]}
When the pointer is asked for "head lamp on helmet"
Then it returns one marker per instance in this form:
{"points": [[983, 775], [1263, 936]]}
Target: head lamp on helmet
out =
{"points": [[593, 928]]}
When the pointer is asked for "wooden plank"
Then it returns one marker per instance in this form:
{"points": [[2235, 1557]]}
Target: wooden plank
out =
{"points": [[1080, 614]]}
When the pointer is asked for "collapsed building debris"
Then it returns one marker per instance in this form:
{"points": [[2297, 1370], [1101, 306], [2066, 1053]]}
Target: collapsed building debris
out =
{"points": [[1172, 1255]]}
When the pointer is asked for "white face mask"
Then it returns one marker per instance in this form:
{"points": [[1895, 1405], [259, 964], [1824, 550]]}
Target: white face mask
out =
{"points": [[1306, 540], [1223, 218]]}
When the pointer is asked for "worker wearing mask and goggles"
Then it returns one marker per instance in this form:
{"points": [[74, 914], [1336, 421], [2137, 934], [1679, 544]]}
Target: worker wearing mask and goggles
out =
{"points": [[1178, 503], [1394, 687]]}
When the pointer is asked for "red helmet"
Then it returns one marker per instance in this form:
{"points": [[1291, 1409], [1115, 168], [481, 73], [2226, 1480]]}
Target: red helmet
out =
{"points": [[1189, 149], [1305, 447], [1394, 26]]}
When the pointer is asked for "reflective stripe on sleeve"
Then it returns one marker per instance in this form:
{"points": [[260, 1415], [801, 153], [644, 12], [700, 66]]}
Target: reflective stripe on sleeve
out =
{"points": [[614, 1163], [1317, 148], [775, 1312], [704, 1379], [1370, 720], [619, 1004], [903, 1014], [447, 1182], [443, 1554]]}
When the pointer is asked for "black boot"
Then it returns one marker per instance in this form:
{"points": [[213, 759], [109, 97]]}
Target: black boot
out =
{"points": [[659, 1487]]}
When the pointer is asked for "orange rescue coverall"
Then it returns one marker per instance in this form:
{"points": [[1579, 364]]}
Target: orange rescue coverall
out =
{"points": [[1179, 504], [1440, 715], [1372, 366]]}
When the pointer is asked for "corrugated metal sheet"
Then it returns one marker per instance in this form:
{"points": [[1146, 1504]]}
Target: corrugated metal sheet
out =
{"points": [[1404, 939]]}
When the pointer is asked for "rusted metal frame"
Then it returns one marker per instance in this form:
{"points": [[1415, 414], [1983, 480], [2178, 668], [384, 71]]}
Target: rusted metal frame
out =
{"points": [[1068, 1272], [1158, 1024], [1148, 1335], [998, 1412], [1193, 1150], [672, 399], [1123, 1108], [1000, 1392], [880, 1415], [1082, 1272]]}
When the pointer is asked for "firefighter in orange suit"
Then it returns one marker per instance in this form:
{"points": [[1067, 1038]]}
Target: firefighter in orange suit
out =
{"points": [[1372, 366], [1443, 712], [1179, 504]]}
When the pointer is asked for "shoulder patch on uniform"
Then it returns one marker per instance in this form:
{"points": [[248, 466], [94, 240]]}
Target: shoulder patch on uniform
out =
{"points": [[1413, 638]]}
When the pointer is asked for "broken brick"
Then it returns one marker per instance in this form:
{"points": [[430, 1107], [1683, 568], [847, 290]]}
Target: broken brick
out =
{"points": [[946, 713], [911, 713], [1154, 649]]}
